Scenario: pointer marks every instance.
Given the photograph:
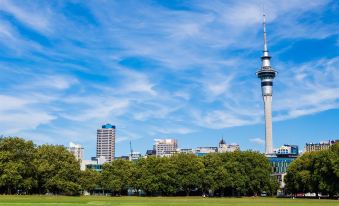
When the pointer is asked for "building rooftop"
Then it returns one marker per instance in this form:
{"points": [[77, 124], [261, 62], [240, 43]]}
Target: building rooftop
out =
{"points": [[108, 126], [222, 141]]}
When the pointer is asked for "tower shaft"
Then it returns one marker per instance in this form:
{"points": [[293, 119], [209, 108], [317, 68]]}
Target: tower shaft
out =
{"points": [[268, 124]]}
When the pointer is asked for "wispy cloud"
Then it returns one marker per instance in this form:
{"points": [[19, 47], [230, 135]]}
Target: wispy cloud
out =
{"points": [[258, 141], [32, 16], [156, 69], [18, 114], [315, 89]]}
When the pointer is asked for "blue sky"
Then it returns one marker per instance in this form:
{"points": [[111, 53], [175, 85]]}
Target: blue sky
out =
{"points": [[167, 69]]}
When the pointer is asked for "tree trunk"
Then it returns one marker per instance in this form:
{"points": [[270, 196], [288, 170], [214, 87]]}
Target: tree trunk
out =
{"points": [[188, 192]]}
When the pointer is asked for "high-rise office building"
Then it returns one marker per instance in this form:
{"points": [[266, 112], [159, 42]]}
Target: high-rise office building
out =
{"points": [[77, 150], [165, 147], [106, 142], [267, 74]]}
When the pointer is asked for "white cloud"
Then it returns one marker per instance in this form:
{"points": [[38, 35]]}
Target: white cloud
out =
{"points": [[174, 130], [219, 119], [216, 85], [153, 109], [201, 76], [30, 16], [6, 31], [18, 114], [257, 141], [136, 82], [182, 94], [315, 89], [94, 107], [48, 81]]}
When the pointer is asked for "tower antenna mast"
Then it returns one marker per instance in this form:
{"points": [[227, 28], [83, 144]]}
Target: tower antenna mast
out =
{"points": [[130, 146]]}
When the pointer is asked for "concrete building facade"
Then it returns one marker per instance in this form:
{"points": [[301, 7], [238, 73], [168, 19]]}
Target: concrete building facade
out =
{"points": [[77, 150], [165, 147], [311, 147], [223, 147], [133, 156], [93, 164]]}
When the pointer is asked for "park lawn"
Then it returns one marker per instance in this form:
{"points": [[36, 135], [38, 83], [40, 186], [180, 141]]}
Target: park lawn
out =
{"points": [[158, 201]]}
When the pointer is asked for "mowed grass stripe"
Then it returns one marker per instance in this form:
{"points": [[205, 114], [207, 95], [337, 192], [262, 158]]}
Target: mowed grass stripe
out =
{"points": [[158, 201]]}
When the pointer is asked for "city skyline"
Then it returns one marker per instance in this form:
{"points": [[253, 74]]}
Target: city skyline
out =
{"points": [[161, 69]]}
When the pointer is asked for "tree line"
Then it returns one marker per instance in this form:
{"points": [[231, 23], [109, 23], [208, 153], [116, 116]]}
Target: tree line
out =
{"points": [[29, 169], [315, 172]]}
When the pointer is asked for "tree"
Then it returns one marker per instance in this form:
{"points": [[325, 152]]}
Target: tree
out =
{"points": [[325, 168], [167, 173], [57, 170], [335, 159], [189, 172], [214, 173], [258, 172], [89, 180], [17, 171], [299, 177], [315, 172], [148, 179], [246, 173], [116, 176]]}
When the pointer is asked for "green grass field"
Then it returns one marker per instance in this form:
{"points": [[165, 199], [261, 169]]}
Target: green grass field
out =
{"points": [[157, 201]]}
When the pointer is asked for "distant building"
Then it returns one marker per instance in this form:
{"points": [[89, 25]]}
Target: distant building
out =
{"points": [[122, 158], [288, 151], [202, 151], [77, 150], [223, 147], [280, 161], [106, 142], [165, 147], [284, 155], [134, 156], [93, 164], [150, 152], [186, 151], [311, 147]]}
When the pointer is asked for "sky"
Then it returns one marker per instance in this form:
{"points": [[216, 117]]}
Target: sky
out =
{"points": [[167, 69]]}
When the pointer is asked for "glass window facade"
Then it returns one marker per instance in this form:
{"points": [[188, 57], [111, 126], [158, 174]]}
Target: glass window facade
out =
{"points": [[280, 164]]}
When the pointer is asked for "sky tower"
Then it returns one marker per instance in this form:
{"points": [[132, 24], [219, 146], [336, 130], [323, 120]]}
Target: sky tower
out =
{"points": [[267, 74]]}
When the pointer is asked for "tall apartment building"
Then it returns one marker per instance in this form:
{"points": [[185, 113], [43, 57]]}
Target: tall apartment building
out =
{"points": [[311, 147], [106, 142], [77, 150], [165, 147]]}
